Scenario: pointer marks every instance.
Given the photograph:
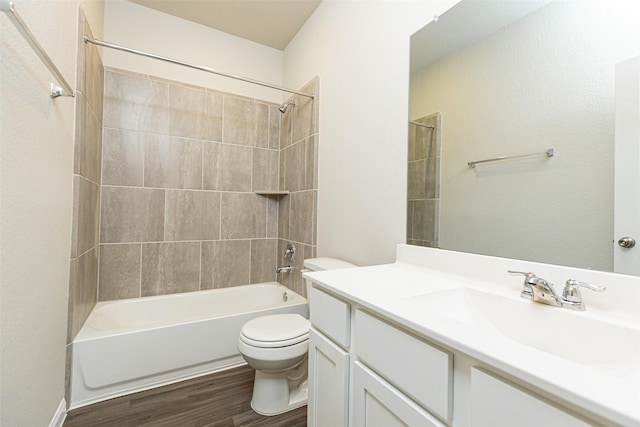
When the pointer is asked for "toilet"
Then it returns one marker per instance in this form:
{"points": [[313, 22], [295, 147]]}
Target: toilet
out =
{"points": [[276, 346]]}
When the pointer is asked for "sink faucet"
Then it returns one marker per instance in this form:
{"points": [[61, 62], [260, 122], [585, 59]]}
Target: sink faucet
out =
{"points": [[540, 290]]}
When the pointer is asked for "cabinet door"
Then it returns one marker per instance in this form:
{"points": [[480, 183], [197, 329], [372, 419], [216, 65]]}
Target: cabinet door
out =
{"points": [[328, 382], [377, 403], [499, 404], [426, 375]]}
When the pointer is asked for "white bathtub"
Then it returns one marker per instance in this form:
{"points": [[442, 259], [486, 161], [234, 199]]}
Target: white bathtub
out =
{"points": [[136, 344]]}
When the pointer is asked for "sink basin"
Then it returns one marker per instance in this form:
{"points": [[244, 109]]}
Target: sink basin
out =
{"points": [[603, 346]]}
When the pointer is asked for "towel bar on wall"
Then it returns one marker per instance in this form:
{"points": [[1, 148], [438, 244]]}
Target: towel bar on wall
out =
{"points": [[548, 152]]}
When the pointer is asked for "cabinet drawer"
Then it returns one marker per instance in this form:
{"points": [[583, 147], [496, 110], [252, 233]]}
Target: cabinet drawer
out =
{"points": [[500, 404], [331, 316], [419, 369], [377, 404]]}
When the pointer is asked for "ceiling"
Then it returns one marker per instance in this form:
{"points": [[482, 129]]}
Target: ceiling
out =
{"points": [[269, 22]]}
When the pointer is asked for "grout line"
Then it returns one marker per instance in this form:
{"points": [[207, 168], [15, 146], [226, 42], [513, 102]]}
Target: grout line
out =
{"points": [[222, 120], [202, 167], [86, 179], [144, 158], [85, 252], [164, 217], [137, 187], [140, 275], [201, 242], [253, 157]]}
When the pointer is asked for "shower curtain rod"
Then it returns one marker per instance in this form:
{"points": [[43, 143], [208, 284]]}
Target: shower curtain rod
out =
{"points": [[196, 67], [7, 7]]}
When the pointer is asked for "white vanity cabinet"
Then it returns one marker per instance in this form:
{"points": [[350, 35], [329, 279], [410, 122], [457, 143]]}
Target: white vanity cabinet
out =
{"points": [[329, 337], [397, 378], [366, 371]]}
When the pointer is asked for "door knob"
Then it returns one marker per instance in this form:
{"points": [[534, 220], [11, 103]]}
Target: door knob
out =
{"points": [[626, 242]]}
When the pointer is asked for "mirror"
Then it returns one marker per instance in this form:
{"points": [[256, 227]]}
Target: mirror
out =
{"points": [[495, 78]]}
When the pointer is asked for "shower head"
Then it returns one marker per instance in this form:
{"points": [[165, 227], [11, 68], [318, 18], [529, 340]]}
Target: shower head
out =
{"points": [[284, 106]]}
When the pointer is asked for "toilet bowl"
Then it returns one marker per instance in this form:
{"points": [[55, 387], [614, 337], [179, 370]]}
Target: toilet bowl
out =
{"points": [[276, 346]]}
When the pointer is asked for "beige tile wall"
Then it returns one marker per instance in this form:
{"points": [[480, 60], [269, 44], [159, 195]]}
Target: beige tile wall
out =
{"points": [[181, 165], [83, 277], [297, 222], [83, 265], [423, 188], [164, 179]]}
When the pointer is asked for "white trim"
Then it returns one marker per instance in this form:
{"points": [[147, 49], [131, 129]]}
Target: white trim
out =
{"points": [[60, 415]]}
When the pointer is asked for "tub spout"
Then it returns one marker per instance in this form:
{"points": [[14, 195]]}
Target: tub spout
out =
{"points": [[286, 269]]}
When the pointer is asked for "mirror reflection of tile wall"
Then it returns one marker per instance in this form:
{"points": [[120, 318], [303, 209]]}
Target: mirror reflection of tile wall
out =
{"points": [[423, 192]]}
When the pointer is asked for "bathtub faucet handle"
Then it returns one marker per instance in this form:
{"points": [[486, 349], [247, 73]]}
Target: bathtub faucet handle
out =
{"points": [[290, 252]]}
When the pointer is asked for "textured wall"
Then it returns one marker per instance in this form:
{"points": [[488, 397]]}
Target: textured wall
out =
{"points": [[360, 50], [36, 155], [143, 28]]}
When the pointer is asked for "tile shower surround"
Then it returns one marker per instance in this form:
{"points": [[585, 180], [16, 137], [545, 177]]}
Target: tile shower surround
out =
{"points": [[83, 271], [423, 192], [180, 166]]}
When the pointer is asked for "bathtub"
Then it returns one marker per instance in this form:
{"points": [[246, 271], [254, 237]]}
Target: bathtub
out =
{"points": [[136, 344]]}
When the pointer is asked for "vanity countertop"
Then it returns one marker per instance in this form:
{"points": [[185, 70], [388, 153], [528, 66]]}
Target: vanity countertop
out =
{"points": [[395, 291]]}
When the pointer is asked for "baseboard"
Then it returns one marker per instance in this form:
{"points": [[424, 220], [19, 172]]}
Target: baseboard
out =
{"points": [[60, 415]]}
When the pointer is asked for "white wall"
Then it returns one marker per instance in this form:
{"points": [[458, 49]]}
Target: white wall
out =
{"points": [[360, 51], [36, 157], [545, 81], [142, 28], [94, 12]]}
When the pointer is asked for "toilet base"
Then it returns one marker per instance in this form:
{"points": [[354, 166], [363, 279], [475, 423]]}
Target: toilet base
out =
{"points": [[277, 393]]}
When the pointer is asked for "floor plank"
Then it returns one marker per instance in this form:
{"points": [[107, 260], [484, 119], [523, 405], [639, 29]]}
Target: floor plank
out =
{"points": [[222, 399]]}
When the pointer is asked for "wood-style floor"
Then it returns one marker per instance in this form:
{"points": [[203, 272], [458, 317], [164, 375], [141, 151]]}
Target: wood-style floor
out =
{"points": [[222, 399]]}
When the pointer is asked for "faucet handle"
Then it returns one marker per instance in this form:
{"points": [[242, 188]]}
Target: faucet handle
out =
{"points": [[527, 292], [528, 275], [571, 291]]}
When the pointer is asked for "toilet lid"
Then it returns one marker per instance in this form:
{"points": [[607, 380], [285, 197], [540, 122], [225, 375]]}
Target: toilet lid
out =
{"points": [[275, 330]]}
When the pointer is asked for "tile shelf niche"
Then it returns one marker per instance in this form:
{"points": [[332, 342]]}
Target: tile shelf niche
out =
{"points": [[272, 193]]}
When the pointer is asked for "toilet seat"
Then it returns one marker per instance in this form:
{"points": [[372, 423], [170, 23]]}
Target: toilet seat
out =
{"points": [[275, 331]]}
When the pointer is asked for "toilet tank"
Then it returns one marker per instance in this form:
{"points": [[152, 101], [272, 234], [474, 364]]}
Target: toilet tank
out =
{"points": [[321, 264]]}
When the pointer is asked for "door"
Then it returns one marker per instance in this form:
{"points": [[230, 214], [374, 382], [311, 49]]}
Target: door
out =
{"points": [[626, 257], [328, 382], [376, 403]]}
